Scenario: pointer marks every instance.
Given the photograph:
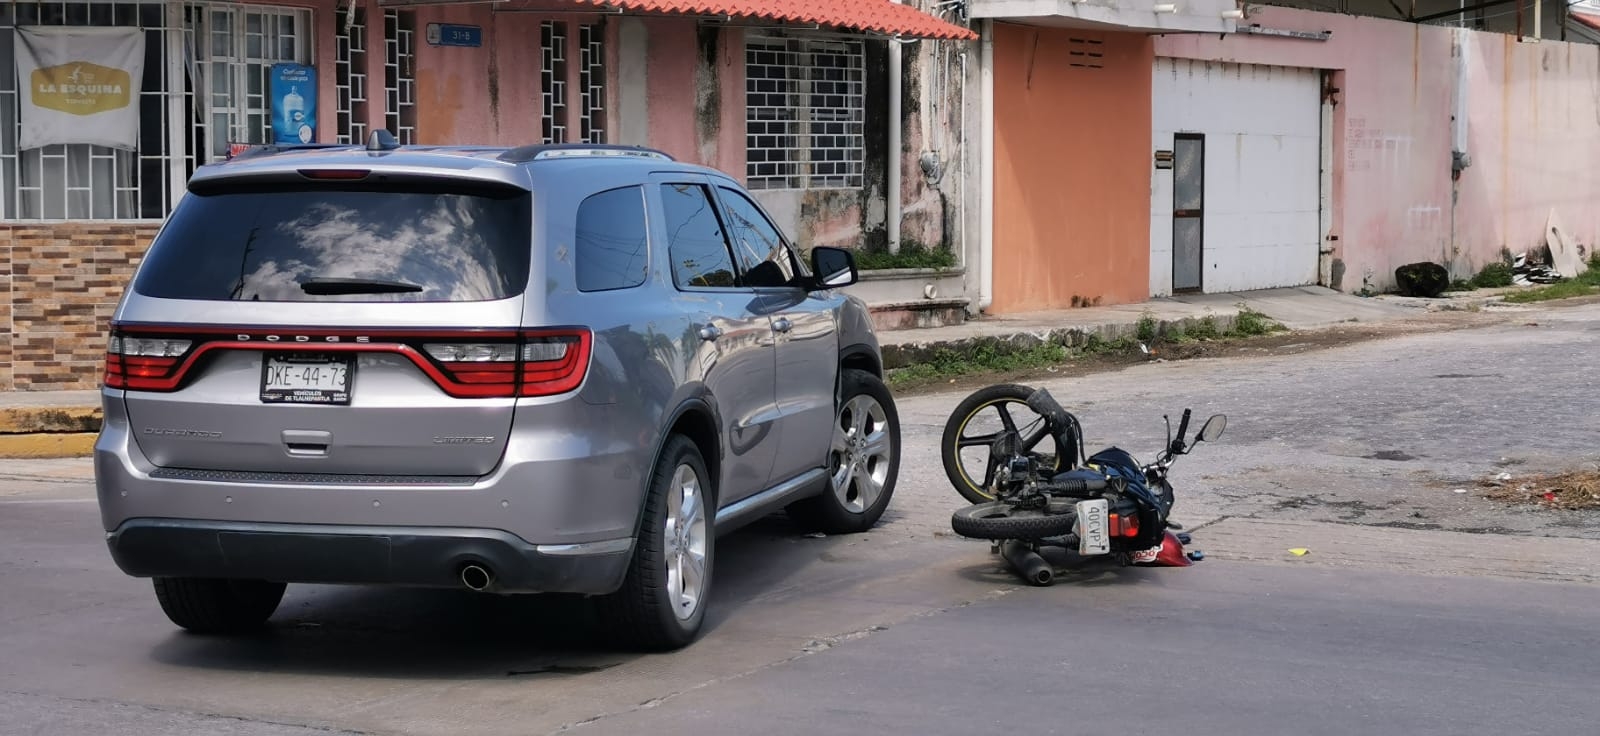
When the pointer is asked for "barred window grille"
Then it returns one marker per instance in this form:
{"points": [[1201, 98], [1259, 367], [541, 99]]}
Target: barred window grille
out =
{"points": [[553, 80], [80, 181], [592, 81], [350, 76], [206, 84], [399, 74], [237, 46], [805, 112]]}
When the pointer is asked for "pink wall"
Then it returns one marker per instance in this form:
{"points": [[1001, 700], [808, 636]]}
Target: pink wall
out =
{"points": [[490, 94], [1534, 137], [1392, 189], [682, 79]]}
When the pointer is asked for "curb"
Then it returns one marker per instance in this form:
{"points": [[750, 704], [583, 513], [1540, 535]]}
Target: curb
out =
{"points": [[41, 446], [48, 432], [902, 355]]}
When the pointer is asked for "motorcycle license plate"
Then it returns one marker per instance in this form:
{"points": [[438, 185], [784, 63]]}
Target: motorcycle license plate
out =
{"points": [[1093, 527]]}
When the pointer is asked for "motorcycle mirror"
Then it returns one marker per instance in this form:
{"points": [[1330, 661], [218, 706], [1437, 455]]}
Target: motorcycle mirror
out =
{"points": [[1213, 428]]}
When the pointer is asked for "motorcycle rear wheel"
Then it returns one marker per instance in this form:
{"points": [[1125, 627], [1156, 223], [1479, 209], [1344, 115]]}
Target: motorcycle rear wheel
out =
{"points": [[1000, 400], [1000, 520]]}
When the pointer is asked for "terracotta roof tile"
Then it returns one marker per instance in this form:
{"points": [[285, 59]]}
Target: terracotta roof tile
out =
{"points": [[876, 16]]}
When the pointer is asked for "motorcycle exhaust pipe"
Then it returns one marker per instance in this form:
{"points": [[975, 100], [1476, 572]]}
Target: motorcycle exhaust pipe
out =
{"points": [[1027, 563], [476, 577]]}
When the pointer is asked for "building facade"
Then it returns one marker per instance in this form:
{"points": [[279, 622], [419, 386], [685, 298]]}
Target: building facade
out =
{"points": [[790, 96]]}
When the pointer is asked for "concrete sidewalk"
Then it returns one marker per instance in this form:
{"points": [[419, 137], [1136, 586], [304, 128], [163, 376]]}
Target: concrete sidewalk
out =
{"points": [[63, 423]]}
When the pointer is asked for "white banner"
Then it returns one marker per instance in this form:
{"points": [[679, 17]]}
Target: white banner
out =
{"points": [[79, 85]]}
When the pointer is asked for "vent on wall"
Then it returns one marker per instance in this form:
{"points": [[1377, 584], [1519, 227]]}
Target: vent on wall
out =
{"points": [[1085, 53]]}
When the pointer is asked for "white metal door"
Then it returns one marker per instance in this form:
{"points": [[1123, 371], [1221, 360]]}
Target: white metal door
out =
{"points": [[1262, 127]]}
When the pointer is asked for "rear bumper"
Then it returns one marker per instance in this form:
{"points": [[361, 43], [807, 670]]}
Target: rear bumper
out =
{"points": [[409, 556]]}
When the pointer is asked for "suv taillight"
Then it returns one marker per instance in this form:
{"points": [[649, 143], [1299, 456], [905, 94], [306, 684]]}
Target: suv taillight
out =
{"points": [[541, 363], [470, 364], [143, 363]]}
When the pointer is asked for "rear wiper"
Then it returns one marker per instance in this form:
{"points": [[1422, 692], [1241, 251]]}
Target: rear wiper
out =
{"points": [[332, 286]]}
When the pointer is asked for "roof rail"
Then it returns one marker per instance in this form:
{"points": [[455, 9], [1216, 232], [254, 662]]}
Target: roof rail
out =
{"points": [[547, 151]]}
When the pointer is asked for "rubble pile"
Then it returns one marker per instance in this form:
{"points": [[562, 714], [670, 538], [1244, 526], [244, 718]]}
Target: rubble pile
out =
{"points": [[1524, 273]]}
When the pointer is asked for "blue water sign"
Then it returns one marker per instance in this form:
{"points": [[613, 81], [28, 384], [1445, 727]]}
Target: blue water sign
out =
{"points": [[449, 34], [294, 103]]}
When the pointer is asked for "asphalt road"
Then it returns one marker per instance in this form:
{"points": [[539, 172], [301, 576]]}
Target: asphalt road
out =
{"points": [[1418, 610]]}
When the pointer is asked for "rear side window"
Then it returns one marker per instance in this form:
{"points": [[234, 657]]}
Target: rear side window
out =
{"points": [[612, 249], [696, 245], [342, 245]]}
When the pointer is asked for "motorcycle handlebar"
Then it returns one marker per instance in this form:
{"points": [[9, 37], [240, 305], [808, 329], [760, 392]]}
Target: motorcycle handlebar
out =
{"points": [[1183, 427], [1041, 401]]}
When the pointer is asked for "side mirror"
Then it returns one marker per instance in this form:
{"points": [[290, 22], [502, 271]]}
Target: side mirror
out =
{"points": [[833, 267], [1213, 428]]}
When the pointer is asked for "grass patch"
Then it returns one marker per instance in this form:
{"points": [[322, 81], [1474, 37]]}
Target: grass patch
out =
{"points": [[988, 358], [911, 255], [1586, 284], [1493, 276], [1147, 327], [1250, 323], [1460, 285]]}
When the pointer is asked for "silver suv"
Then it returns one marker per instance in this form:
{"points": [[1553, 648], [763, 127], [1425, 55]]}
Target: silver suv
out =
{"points": [[538, 369]]}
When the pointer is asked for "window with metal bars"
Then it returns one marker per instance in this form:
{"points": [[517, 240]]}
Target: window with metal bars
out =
{"points": [[553, 80], [399, 74], [805, 112], [236, 47], [206, 83], [592, 83], [84, 182], [350, 76]]}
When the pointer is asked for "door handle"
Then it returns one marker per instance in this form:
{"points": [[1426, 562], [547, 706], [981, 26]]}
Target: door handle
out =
{"points": [[306, 443], [710, 332], [782, 324]]}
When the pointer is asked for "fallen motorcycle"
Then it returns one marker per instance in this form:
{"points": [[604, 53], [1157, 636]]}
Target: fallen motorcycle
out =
{"points": [[1031, 498]]}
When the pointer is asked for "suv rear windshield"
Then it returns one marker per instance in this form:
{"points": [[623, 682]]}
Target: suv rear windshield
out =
{"points": [[413, 245]]}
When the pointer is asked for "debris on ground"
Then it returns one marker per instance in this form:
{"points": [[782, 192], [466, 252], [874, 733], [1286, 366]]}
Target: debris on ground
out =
{"points": [[1578, 489], [1526, 273]]}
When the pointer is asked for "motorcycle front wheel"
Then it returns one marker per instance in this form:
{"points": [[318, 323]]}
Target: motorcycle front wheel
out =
{"points": [[1000, 520], [972, 429]]}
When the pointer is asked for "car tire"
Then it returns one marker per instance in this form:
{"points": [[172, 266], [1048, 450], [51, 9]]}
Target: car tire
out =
{"points": [[208, 606], [863, 461], [661, 605]]}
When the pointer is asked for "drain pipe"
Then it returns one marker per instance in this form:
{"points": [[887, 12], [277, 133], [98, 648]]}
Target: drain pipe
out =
{"points": [[895, 122], [986, 153]]}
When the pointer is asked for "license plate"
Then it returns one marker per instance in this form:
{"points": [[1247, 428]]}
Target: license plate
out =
{"points": [[1093, 527], [305, 379]]}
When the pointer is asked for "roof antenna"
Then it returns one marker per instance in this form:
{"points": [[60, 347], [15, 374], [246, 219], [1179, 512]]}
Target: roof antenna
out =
{"points": [[382, 140]]}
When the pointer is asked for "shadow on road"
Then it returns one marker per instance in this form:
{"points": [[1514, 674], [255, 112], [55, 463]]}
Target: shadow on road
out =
{"points": [[418, 633]]}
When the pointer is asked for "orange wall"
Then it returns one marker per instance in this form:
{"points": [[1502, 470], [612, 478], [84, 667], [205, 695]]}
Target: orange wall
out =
{"points": [[1072, 169]]}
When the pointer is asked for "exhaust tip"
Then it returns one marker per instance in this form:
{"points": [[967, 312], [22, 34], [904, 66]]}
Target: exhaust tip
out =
{"points": [[476, 577]]}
